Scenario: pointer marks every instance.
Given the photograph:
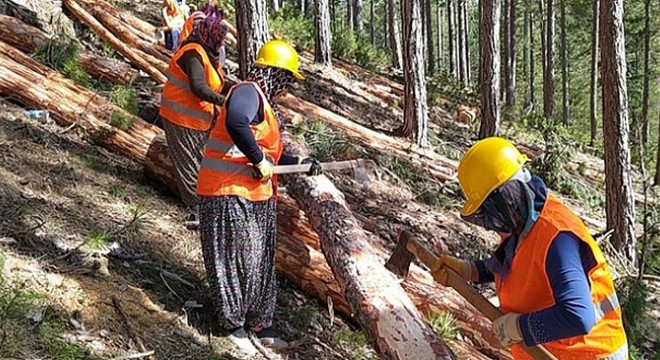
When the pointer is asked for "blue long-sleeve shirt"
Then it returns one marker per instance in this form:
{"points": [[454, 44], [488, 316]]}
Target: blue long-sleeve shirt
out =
{"points": [[567, 264]]}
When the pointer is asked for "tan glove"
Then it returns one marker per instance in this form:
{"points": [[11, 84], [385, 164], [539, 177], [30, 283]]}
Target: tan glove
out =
{"points": [[263, 170], [461, 267], [507, 330]]}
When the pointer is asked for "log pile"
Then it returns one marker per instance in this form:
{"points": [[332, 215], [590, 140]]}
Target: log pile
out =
{"points": [[297, 258], [28, 38]]}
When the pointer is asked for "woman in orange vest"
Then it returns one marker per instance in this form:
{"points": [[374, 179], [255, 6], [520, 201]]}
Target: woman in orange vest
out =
{"points": [[173, 20], [237, 197], [197, 16], [189, 101], [552, 280]]}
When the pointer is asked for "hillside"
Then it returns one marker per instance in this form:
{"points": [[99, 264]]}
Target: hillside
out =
{"points": [[85, 234]]}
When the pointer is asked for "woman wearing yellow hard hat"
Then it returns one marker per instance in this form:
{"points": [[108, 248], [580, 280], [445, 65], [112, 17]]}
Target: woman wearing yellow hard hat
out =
{"points": [[236, 187], [551, 277]]}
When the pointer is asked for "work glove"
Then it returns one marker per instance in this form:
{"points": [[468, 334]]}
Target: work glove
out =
{"points": [[316, 168], [507, 330], [461, 267], [263, 170]]}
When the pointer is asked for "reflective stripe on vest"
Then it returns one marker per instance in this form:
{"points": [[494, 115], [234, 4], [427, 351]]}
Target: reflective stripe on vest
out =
{"points": [[225, 147], [178, 83], [606, 305], [227, 167], [186, 111]]}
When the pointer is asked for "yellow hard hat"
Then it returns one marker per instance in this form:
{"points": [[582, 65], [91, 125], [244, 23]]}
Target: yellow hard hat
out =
{"points": [[488, 164], [279, 54]]}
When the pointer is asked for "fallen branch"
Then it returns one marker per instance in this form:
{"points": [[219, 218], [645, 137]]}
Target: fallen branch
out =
{"points": [[135, 356], [129, 327]]}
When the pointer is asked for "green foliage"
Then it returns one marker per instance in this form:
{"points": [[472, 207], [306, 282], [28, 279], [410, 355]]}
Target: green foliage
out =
{"points": [[444, 324], [116, 189], [346, 336], [98, 241], [139, 218], [125, 98], [346, 46], [49, 332], [293, 26], [121, 120], [326, 144], [635, 309], [62, 57]]}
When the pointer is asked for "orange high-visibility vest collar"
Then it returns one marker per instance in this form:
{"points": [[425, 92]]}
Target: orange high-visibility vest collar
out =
{"points": [[189, 25], [225, 169], [179, 105], [527, 289]]}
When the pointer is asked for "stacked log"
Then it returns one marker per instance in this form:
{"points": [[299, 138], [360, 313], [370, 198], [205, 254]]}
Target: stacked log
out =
{"points": [[28, 38], [296, 259]]}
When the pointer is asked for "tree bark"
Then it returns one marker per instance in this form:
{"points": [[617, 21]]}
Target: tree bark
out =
{"points": [[510, 67], [439, 15], [462, 41], [647, 61], [358, 18], [429, 36], [548, 73], [504, 49], [526, 47], [466, 42], [386, 25], [372, 25], [532, 60], [275, 5], [415, 116], [490, 68], [135, 56], [450, 41], [544, 49], [27, 39], [593, 95], [323, 48], [564, 66], [395, 34], [252, 26], [349, 14], [657, 161], [618, 190]]}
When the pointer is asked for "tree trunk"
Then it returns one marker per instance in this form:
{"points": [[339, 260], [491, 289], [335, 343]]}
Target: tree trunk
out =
{"points": [[548, 74], [510, 67], [564, 65], [466, 42], [252, 26], [618, 188], [450, 40], [383, 309], [395, 34], [349, 14], [532, 60], [415, 116], [593, 95], [135, 56], [490, 68], [301, 6], [544, 49], [647, 61], [358, 18], [428, 14], [504, 49], [440, 34], [372, 25], [323, 48], [460, 32], [526, 47], [275, 5], [657, 162], [386, 25], [28, 39]]}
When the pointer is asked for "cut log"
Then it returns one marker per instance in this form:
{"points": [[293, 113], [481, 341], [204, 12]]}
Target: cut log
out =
{"points": [[45, 15], [379, 304], [135, 56], [28, 38]]}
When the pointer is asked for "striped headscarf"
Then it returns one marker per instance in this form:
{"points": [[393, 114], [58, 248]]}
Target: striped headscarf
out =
{"points": [[272, 82], [211, 31]]}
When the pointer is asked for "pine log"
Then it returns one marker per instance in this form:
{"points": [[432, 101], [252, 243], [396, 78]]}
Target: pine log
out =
{"points": [[123, 31], [379, 303], [140, 59], [28, 38]]}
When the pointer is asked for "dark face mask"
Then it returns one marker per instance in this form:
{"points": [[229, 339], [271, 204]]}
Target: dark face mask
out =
{"points": [[505, 210]]}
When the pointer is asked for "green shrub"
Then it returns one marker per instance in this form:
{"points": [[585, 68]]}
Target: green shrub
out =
{"points": [[125, 98], [293, 26], [62, 57]]}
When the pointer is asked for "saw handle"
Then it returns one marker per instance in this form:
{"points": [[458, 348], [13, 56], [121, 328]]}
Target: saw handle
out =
{"points": [[327, 166], [538, 352]]}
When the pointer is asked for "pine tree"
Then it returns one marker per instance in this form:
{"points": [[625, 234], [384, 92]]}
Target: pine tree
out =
{"points": [[489, 34], [548, 71], [429, 36], [252, 25], [395, 35], [358, 17], [510, 53], [564, 64], [593, 95], [647, 61], [323, 38]]}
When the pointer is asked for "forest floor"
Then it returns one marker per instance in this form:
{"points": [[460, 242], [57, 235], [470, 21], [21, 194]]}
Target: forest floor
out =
{"points": [[80, 226]]}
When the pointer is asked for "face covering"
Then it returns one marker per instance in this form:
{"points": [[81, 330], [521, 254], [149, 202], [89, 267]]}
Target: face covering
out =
{"points": [[272, 82], [512, 209]]}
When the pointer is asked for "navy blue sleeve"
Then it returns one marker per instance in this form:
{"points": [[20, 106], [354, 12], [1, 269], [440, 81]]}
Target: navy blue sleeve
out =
{"points": [[242, 109], [485, 276], [567, 264]]}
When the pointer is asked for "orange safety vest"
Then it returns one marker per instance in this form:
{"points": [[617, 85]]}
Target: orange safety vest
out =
{"points": [[527, 289], [189, 25], [178, 104], [225, 169]]}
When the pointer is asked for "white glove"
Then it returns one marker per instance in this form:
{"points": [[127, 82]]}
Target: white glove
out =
{"points": [[507, 330]]}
